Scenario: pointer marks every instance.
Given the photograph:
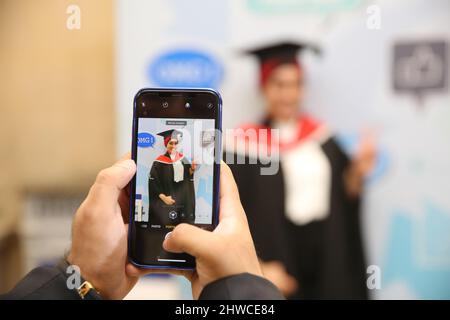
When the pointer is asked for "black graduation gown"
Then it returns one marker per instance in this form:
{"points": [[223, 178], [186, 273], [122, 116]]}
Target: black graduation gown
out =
{"points": [[325, 256], [161, 180]]}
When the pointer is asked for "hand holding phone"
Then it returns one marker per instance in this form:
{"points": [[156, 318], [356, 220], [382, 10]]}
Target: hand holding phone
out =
{"points": [[226, 251], [99, 234], [99, 249]]}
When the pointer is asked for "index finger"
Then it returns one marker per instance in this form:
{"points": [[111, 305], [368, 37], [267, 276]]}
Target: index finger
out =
{"points": [[110, 181]]}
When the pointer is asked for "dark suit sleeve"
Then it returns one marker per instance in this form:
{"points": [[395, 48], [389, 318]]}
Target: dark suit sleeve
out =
{"points": [[244, 286], [42, 283], [47, 283]]}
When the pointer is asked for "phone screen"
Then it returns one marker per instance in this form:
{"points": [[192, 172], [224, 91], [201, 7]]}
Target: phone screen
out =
{"points": [[176, 144]]}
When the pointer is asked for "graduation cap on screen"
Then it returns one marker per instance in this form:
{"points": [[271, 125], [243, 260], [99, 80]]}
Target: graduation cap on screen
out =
{"points": [[171, 134], [276, 54]]}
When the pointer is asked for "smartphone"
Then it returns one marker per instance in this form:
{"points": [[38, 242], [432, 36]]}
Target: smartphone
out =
{"points": [[176, 144]]}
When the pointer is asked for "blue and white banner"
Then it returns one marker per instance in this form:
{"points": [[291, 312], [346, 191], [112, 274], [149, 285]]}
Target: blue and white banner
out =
{"points": [[384, 68]]}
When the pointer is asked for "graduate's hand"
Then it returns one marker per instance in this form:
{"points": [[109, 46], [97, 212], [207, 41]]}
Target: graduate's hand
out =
{"points": [[99, 232], [226, 251], [365, 156], [192, 168], [361, 165], [168, 200]]}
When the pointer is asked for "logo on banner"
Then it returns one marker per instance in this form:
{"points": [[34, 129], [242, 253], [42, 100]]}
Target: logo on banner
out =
{"points": [[145, 140], [185, 68], [420, 67]]}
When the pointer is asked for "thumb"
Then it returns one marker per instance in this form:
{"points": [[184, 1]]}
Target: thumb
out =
{"points": [[188, 239], [230, 204], [112, 180]]}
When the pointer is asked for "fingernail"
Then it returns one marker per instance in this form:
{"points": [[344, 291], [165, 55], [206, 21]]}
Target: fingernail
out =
{"points": [[167, 236], [164, 246]]}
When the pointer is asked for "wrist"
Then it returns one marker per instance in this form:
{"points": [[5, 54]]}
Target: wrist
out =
{"points": [[84, 272], [83, 288], [248, 267], [353, 181]]}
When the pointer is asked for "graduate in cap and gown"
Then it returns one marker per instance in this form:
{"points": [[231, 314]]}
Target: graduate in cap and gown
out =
{"points": [[305, 219], [171, 184]]}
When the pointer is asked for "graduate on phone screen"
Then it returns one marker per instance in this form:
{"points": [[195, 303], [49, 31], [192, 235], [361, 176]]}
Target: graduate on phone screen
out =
{"points": [[171, 184]]}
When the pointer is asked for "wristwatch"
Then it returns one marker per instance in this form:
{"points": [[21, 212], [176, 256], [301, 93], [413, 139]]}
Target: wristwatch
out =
{"points": [[86, 290]]}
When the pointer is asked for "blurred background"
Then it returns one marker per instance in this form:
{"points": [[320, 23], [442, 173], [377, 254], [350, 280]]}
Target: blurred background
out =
{"points": [[69, 71]]}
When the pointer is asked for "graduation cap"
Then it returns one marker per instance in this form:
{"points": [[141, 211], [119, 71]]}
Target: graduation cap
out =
{"points": [[274, 55], [171, 134]]}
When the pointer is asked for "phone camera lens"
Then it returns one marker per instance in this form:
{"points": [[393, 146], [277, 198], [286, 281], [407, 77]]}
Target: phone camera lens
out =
{"points": [[209, 105], [187, 105], [165, 104]]}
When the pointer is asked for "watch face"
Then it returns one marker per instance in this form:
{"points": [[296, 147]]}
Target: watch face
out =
{"points": [[87, 291]]}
